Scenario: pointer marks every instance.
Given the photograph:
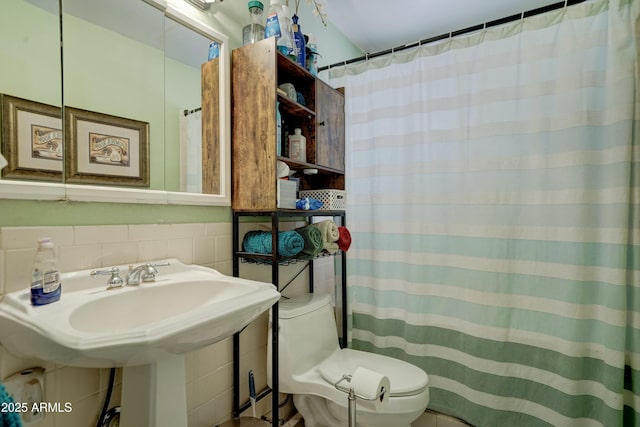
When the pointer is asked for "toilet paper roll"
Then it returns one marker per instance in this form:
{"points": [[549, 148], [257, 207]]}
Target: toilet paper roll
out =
{"points": [[368, 385]]}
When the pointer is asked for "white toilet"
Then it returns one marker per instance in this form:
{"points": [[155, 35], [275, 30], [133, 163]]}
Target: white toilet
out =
{"points": [[311, 362]]}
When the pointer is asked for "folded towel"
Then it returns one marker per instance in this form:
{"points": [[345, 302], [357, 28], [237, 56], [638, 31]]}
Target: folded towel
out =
{"points": [[8, 418], [290, 243], [344, 241], [313, 243], [329, 231]]}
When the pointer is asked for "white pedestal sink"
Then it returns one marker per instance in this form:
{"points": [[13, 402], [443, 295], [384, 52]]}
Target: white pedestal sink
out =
{"points": [[145, 329]]}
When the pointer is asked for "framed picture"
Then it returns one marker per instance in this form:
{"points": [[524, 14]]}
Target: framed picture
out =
{"points": [[105, 149], [31, 139]]}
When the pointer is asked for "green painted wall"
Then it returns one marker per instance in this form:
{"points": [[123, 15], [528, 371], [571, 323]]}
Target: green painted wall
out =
{"points": [[22, 213]]}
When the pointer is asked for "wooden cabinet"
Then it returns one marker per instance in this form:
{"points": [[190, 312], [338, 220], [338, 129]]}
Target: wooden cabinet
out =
{"points": [[318, 110], [329, 127], [210, 126]]}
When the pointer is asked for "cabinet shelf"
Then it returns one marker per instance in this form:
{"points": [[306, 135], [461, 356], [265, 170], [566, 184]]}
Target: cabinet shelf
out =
{"points": [[294, 164], [290, 213], [267, 259], [289, 106], [293, 69]]}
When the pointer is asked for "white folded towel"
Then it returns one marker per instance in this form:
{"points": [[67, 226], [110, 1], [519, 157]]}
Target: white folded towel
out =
{"points": [[330, 234]]}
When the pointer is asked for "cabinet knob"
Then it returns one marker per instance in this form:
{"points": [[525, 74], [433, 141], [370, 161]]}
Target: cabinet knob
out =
{"points": [[321, 123]]}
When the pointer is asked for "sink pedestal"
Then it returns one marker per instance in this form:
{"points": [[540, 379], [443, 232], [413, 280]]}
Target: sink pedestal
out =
{"points": [[155, 395]]}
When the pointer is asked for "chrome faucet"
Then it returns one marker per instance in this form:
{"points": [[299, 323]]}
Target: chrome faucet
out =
{"points": [[143, 273], [115, 281]]}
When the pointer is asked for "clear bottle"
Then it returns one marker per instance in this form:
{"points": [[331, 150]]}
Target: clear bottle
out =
{"points": [[254, 31], [45, 276], [312, 55], [288, 25], [298, 146], [301, 50], [276, 25]]}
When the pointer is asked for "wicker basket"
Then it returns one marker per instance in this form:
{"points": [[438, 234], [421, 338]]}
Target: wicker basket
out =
{"points": [[333, 200]]}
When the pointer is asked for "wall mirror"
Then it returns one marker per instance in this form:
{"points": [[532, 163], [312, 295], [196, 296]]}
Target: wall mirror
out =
{"points": [[128, 72], [30, 81]]}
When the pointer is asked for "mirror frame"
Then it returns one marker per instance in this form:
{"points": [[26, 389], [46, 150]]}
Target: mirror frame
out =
{"points": [[35, 190]]}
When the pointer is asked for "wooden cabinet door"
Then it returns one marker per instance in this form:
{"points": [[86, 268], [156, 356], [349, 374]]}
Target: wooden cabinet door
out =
{"points": [[329, 127], [253, 129]]}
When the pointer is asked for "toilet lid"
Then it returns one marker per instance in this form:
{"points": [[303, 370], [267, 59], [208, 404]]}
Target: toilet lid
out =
{"points": [[405, 379]]}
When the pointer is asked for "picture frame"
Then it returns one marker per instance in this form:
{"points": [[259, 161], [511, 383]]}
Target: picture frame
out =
{"points": [[31, 139], [105, 149]]}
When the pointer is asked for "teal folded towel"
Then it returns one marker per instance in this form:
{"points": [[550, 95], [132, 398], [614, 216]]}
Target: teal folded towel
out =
{"points": [[313, 243], [290, 243], [7, 418]]}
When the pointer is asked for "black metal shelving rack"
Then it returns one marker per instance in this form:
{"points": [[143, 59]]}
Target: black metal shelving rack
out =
{"points": [[274, 260]]}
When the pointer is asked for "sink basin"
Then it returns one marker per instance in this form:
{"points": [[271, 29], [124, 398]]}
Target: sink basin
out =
{"points": [[161, 305], [186, 308]]}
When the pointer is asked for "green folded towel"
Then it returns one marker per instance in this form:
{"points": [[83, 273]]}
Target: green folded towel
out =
{"points": [[313, 243]]}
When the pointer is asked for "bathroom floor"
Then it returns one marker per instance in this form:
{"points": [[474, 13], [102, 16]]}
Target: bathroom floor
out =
{"points": [[428, 419], [435, 419]]}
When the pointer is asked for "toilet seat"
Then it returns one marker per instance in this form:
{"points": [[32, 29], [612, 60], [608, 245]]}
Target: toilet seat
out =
{"points": [[405, 379]]}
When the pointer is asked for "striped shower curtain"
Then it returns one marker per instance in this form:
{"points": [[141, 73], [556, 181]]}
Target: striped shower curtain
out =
{"points": [[494, 202]]}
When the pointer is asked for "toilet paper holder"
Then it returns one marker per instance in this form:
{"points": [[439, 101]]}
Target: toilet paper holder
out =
{"points": [[352, 395]]}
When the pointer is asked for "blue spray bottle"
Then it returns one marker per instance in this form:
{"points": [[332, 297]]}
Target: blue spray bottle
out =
{"points": [[301, 51]]}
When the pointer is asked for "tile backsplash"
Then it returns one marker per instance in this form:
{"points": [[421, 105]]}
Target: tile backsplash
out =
{"points": [[85, 247], [209, 370]]}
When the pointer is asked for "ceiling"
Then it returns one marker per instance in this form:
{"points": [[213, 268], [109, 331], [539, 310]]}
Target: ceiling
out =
{"points": [[377, 25]]}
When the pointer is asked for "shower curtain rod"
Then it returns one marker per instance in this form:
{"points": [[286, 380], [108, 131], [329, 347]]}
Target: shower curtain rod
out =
{"points": [[526, 14]]}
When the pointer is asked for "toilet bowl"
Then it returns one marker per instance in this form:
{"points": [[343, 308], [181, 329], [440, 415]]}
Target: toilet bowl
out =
{"points": [[311, 362]]}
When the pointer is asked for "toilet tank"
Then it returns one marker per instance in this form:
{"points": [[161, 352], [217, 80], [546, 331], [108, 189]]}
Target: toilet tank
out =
{"points": [[308, 335]]}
